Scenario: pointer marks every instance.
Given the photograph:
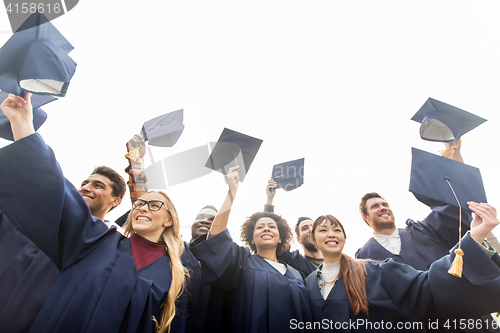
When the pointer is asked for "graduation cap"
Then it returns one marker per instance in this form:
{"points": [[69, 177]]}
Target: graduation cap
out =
{"points": [[39, 116], [164, 130], [443, 122], [430, 175], [289, 175], [438, 181], [36, 59], [233, 149]]}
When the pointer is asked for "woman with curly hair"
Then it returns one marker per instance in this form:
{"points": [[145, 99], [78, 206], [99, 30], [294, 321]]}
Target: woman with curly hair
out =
{"points": [[354, 295], [267, 294]]}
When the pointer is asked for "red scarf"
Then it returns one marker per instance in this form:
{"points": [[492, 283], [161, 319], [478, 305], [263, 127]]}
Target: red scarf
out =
{"points": [[145, 251]]}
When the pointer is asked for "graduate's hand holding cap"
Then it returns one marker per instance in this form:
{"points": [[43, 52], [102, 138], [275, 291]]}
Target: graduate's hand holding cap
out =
{"points": [[233, 180], [485, 220]]}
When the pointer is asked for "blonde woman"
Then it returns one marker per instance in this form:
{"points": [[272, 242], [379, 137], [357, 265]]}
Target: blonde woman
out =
{"points": [[108, 282]]}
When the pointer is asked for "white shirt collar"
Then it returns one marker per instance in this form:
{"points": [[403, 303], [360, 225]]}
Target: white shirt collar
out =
{"points": [[391, 243]]}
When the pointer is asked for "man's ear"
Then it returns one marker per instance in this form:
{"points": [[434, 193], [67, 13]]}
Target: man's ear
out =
{"points": [[365, 218], [115, 201]]}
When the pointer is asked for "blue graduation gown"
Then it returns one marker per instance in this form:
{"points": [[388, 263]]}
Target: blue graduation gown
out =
{"points": [[264, 300], [26, 278], [297, 261], [207, 306], [99, 289], [400, 294], [423, 242]]}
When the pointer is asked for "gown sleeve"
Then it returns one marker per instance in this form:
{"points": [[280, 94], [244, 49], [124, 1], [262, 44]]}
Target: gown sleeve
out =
{"points": [[222, 260], [45, 206], [442, 224], [475, 294]]}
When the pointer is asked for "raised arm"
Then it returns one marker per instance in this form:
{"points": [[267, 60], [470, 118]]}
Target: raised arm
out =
{"points": [[222, 217], [137, 183], [36, 197], [270, 193], [453, 150]]}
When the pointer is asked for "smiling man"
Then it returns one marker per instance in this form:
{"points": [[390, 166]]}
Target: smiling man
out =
{"points": [[420, 243], [203, 221], [103, 190]]}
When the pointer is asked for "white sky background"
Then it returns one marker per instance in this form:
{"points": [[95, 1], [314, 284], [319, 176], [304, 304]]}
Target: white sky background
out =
{"points": [[334, 82]]}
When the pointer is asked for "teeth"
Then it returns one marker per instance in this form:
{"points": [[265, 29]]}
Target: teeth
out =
{"points": [[143, 218], [86, 197]]}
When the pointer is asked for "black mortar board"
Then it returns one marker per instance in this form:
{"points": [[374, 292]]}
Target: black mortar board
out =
{"points": [[443, 122], [431, 173], [233, 149], [39, 116], [36, 59], [122, 219], [289, 175], [164, 130]]}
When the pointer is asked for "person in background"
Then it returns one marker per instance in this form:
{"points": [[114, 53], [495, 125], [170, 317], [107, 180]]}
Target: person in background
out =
{"points": [[103, 191]]}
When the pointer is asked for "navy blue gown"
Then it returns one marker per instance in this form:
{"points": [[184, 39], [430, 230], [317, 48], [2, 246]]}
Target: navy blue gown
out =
{"points": [[207, 306], [99, 289], [297, 261], [424, 242], [264, 300], [26, 278], [401, 295]]}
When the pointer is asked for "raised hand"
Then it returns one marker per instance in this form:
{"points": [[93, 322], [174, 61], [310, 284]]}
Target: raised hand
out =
{"points": [[485, 220], [19, 111]]}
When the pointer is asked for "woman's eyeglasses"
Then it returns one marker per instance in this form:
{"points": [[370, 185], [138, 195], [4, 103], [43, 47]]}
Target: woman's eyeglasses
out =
{"points": [[153, 205]]}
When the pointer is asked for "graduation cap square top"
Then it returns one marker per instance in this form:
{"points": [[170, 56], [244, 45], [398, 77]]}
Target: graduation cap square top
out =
{"points": [[39, 116], [289, 175], [233, 149], [36, 59], [443, 122], [432, 175], [164, 130]]}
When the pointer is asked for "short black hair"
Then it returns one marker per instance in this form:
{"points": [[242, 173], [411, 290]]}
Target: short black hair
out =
{"points": [[118, 186], [210, 207]]}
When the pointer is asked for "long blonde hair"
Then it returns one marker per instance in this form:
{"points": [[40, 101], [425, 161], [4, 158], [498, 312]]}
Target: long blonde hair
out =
{"points": [[175, 247]]}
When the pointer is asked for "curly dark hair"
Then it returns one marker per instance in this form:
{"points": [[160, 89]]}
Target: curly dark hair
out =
{"points": [[285, 231]]}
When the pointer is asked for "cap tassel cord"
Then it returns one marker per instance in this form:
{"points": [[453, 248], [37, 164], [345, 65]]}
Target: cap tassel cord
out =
{"points": [[457, 264], [449, 152]]}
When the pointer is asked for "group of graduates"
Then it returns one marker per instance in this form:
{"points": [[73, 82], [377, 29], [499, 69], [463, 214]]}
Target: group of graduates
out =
{"points": [[64, 268]]}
